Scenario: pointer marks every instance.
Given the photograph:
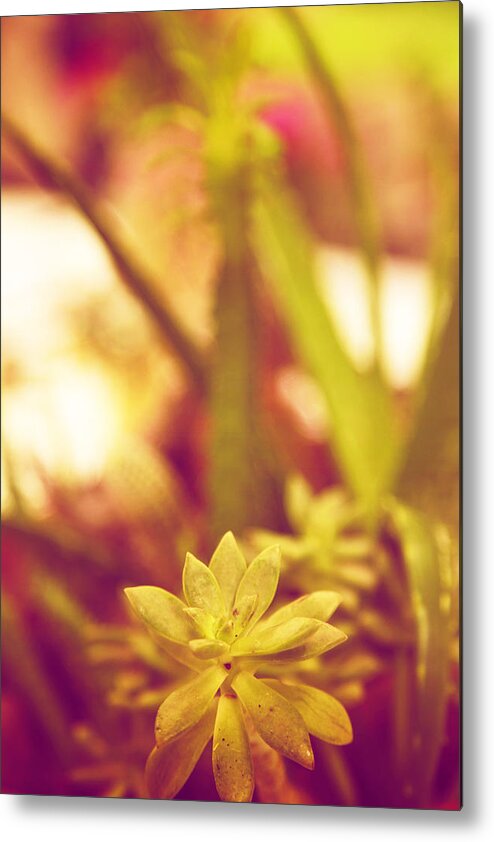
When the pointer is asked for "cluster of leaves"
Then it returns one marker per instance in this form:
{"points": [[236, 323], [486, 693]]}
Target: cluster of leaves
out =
{"points": [[219, 632], [329, 544], [400, 582]]}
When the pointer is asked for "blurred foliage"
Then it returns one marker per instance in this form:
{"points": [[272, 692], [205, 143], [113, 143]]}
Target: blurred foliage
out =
{"points": [[434, 30], [234, 146]]}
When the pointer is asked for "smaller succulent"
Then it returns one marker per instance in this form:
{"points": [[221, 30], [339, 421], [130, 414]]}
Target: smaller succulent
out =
{"points": [[221, 633], [328, 546]]}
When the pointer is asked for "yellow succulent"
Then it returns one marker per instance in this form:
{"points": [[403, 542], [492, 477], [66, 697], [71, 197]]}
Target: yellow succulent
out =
{"points": [[221, 633]]}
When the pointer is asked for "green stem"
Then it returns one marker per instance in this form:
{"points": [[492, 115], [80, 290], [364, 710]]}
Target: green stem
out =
{"points": [[232, 386], [340, 774], [273, 785], [241, 484]]}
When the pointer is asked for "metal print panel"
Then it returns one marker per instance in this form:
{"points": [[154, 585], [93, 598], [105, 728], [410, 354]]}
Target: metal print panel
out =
{"points": [[230, 452]]}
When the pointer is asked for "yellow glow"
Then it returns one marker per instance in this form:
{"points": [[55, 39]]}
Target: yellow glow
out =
{"points": [[298, 391], [51, 260], [63, 409], [405, 306], [406, 311], [343, 285], [68, 423]]}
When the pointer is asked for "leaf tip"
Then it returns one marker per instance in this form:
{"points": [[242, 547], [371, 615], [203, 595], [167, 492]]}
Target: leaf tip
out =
{"points": [[130, 595], [272, 554], [307, 757]]}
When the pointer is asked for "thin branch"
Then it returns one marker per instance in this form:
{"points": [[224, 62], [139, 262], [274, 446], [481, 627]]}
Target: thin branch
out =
{"points": [[135, 277], [58, 539]]}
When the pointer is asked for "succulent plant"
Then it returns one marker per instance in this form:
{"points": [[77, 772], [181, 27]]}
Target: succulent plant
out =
{"points": [[328, 545], [220, 631]]}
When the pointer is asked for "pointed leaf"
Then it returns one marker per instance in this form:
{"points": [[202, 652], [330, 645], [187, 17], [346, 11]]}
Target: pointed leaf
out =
{"points": [[293, 547], [325, 637], [261, 580], [319, 605], [426, 552], [201, 588], [324, 716], [228, 565], [181, 652], [205, 622], [298, 497], [329, 513], [359, 403], [170, 765], [232, 762], [163, 612], [186, 705], [243, 613], [226, 632], [204, 648], [278, 722], [276, 638]]}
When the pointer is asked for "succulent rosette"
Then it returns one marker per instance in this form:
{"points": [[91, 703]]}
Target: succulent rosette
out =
{"points": [[221, 632], [327, 545]]}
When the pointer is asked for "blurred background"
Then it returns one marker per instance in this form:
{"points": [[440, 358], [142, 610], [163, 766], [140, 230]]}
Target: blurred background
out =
{"points": [[230, 301]]}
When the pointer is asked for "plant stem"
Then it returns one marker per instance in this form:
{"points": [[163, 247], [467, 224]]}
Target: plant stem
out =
{"points": [[340, 774], [242, 484], [59, 540], [135, 277], [272, 783]]}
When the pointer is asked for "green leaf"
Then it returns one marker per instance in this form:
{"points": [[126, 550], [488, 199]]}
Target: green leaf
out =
{"points": [[429, 478], [426, 554], [363, 202], [277, 721], [323, 715], [292, 547], [298, 497], [201, 588], [232, 762], [319, 605], [163, 612], [186, 705], [329, 513], [325, 637], [364, 431], [204, 648], [170, 765], [275, 639], [243, 613], [260, 580], [205, 622], [228, 565], [181, 652]]}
